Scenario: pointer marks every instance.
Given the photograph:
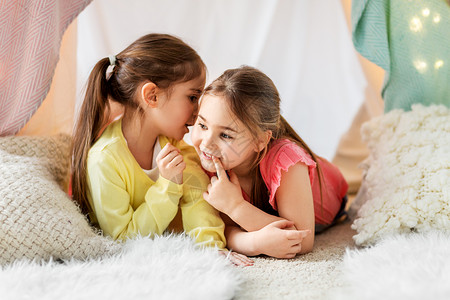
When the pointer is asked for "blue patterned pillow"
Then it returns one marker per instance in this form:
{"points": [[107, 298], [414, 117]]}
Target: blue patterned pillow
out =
{"points": [[410, 40]]}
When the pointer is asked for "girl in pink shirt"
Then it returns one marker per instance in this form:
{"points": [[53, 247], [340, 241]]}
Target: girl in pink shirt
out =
{"points": [[276, 192]]}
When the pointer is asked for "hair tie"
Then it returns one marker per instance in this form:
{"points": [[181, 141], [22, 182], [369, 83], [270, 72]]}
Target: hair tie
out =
{"points": [[112, 60]]}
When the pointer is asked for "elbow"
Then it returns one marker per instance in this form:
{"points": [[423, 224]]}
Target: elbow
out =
{"points": [[306, 250], [307, 245]]}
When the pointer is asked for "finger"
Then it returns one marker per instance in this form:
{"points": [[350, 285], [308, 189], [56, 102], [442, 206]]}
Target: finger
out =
{"points": [[233, 177], [305, 233], [234, 259], [166, 150], [238, 259], [169, 157], [221, 174], [282, 224], [291, 255], [206, 196], [243, 257], [297, 234], [213, 179], [241, 260], [179, 168], [296, 248], [178, 159]]}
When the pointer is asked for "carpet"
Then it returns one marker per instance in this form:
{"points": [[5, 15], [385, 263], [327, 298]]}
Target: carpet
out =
{"points": [[414, 266], [316, 275]]}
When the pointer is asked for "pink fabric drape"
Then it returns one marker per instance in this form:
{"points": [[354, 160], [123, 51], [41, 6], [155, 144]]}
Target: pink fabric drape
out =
{"points": [[30, 37]]}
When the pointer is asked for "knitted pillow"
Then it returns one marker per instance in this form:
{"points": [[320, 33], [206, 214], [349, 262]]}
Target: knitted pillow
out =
{"points": [[407, 176], [37, 218]]}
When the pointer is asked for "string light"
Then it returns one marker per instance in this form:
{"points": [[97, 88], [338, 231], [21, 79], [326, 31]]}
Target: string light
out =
{"points": [[438, 64], [437, 18], [420, 65], [415, 25], [426, 12]]}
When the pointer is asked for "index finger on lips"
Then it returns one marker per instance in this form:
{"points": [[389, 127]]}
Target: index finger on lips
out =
{"points": [[219, 168]]}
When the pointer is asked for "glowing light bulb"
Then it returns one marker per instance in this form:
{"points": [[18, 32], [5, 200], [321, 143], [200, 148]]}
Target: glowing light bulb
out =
{"points": [[425, 12], [438, 64], [420, 65], [437, 18], [415, 24]]}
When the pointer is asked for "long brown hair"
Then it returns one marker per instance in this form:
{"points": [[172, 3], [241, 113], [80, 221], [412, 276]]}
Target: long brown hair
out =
{"points": [[160, 58], [255, 101]]}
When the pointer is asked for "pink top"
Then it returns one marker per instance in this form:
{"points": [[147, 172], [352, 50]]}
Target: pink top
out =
{"points": [[285, 153]]}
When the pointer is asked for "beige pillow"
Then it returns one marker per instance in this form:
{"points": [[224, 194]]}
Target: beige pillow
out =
{"points": [[406, 185], [37, 218]]}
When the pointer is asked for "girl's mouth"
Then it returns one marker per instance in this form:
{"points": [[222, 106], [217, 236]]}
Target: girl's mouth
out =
{"points": [[206, 156]]}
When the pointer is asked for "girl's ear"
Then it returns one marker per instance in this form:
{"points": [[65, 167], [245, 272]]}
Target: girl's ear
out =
{"points": [[263, 140], [149, 91]]}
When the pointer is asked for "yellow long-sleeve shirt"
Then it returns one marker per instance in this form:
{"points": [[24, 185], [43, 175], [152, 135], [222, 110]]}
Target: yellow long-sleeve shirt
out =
{"points": [[126, 202]]}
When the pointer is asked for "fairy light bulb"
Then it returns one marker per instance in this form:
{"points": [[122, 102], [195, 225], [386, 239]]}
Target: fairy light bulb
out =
{"points": [[420, 65], [437, 18], [415, 24], [438, 64]]}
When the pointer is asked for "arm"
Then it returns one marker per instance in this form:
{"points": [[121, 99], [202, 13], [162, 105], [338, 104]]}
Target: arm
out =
{"points": [[295, 201], [111, 200], [273, 240], [200, 220], [226, 196]]}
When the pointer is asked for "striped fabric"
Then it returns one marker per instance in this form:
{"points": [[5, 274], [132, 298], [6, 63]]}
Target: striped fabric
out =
{"points": [[411, 41], [30, 37]]}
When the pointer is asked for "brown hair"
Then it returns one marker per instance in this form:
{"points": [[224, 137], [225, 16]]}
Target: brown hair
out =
{"points": [[255, 101], [160, 58]]}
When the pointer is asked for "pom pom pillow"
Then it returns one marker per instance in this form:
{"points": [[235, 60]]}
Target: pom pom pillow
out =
{"points": [[38, 219], [407, 176]]}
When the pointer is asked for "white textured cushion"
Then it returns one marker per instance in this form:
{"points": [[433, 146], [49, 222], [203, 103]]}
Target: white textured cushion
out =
{"points": [[38, 219], [407, 176]]}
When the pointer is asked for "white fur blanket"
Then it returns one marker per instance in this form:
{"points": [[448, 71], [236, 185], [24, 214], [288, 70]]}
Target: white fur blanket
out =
{"points": [[409, 266], [168, 267]]}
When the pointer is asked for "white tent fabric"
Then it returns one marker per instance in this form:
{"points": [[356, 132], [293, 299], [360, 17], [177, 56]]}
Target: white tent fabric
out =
{"points": [[304, 46]]}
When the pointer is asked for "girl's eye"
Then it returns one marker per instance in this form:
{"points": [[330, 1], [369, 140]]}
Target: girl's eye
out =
{"points": [[202, 126], [193, 99], [226, 136]]}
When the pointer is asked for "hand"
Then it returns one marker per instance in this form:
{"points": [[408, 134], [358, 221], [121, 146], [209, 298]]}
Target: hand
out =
{"points": [[223, 194], [237, 258], [171, 164], [278, 240]]}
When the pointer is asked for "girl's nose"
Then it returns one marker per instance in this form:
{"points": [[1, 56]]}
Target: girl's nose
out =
{"points": [[208, 143]]}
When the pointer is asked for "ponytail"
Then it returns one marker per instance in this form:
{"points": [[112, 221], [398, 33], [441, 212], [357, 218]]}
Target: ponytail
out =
{"points": [[93, 113]]}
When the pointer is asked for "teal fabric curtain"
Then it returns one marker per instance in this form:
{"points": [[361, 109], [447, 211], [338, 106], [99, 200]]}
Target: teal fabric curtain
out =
{"points": [[410, 40]]}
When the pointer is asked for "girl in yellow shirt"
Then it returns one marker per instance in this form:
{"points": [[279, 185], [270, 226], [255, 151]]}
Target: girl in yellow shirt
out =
{"points": [[138, 176]]}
